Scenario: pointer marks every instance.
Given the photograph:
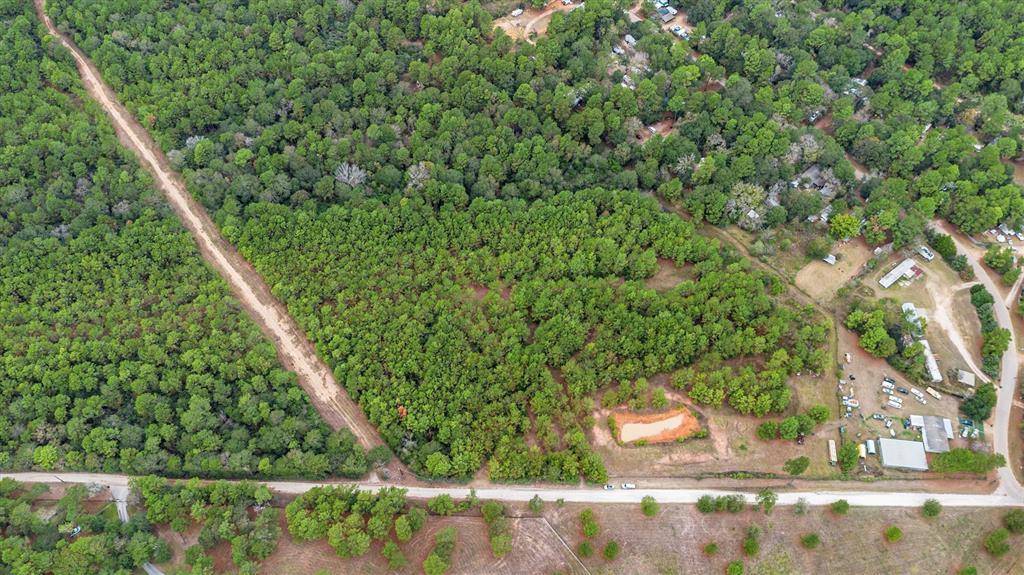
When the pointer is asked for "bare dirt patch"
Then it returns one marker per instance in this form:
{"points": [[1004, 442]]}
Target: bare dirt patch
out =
{"points": [[821, 281], [668, 276], [658, 427], [533, 22], [860, 171], [673, 541], [535, 549]]}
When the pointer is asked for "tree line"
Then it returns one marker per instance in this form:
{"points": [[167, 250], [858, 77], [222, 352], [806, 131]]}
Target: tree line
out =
{"points": [[462, 331], [120, 351]]}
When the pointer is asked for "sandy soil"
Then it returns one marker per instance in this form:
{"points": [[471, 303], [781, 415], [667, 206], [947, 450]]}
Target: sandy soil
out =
{"points": [[532, 21], [294, 349], [673, 541], [536, 548], [821, 280], [668, 276], [860, 171], [657, 428], [662, 128]]}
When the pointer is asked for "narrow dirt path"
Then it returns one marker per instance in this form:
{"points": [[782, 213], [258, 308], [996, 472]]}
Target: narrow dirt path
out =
{"points": [[944, 303], [293, 347]]}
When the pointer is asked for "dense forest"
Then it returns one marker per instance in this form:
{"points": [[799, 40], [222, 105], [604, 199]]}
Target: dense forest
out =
{"points": [[429, 137], [120, 350], [429, 196], [235, 513], [62, 538], [298, 101], [461, 330]]}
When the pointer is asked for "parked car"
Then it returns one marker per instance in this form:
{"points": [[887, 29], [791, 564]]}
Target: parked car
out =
{"points": [[903, 390], [608, 487], [629, 485], [566, 2], [678, 31], [652, 129], [517, 12], [888, 379], [926, 253]]}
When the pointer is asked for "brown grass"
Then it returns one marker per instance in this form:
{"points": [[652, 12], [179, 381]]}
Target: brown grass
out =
{"points": [[821, 281], [672, 542]]}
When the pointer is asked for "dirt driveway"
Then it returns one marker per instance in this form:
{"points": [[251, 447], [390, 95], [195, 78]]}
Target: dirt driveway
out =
{"points": [[293, 348], [532, 21]]}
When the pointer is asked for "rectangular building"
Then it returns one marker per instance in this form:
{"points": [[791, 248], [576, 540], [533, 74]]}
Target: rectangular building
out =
{"points": [[902, 454], [905, 269], [931, 363]]}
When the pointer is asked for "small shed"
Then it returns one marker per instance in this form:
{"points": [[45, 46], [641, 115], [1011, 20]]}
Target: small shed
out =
{"points": [[629, 39], [965, 377], [830, 259], [902, 454]]}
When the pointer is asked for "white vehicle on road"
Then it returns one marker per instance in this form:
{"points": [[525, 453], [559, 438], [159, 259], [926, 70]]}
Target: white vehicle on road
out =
{"points": [[629, 485]]}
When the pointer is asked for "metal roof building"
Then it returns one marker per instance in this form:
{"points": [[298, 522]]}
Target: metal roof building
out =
{"points": [[966, 377], [902, 454], [905, 269], [930, 362], [935, 432]]}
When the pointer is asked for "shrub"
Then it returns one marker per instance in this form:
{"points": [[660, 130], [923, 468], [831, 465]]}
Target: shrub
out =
{"points": [[968, 571], [840, 507], [819, 413], [961, 460], [801, 506], [734, 568], [1014, 521], [752, 542], [536, 504], [810, 541], [766, 499], [589, 524], [711, 549], [648, 506], [893, 534], [931, 508], [585, 549], [797, 465], [768, 430], [848, 456], [611, 551], [996, 543], [706, 504]]}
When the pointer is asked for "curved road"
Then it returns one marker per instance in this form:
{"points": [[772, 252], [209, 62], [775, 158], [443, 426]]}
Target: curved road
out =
{"points": [[1007, 391], [293, 348]]}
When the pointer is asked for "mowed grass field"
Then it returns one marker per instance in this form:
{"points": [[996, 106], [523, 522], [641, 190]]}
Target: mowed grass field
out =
{"points": [[673, 541]]}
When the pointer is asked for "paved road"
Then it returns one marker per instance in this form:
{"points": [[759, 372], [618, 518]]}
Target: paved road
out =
{"points": [[589, 495], [1007, 391], [293, 347], [120, 494]]}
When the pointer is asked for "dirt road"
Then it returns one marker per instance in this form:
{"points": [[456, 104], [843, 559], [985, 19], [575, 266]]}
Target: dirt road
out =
{"points": [[1007, 391], [293, 348], [942, 318]]}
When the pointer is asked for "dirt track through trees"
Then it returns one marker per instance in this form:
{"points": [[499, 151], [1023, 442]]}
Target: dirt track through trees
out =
{"points": [[293, 348]]}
